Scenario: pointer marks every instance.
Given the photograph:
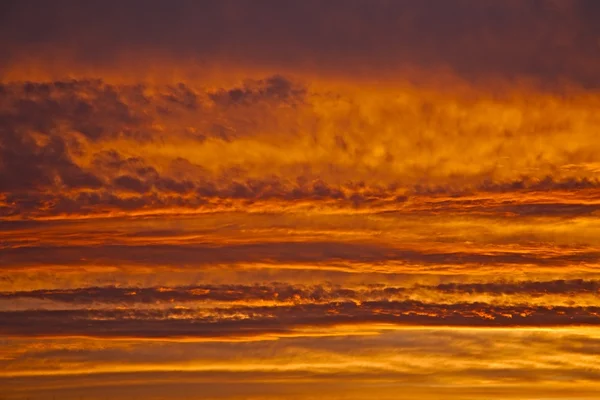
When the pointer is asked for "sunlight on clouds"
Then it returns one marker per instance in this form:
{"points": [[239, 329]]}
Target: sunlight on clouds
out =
{"points": [[371, 201]]}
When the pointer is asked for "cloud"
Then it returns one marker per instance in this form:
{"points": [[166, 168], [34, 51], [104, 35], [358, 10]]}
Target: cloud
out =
{"points": [[276, 253], [25, 164], [573, 286], [243, 321], [84, 146], [548, 41], [427, 363], [189, 178], [131, 184], [557, 292], [276, 89]]}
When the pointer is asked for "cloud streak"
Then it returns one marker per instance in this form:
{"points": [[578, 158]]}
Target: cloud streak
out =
{"points": [[244, 321]]}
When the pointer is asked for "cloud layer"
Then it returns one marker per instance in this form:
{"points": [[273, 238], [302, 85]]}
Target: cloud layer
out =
{"points": [[546, 41], [300, 200]]}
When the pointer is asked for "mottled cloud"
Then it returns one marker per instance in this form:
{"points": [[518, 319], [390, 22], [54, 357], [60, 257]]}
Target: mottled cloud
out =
{"points": [[86, 146], [281, 293], [243, 321]]}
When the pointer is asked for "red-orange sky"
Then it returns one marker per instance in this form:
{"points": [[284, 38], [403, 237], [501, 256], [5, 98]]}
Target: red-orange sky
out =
{"points": [[300, 199]]}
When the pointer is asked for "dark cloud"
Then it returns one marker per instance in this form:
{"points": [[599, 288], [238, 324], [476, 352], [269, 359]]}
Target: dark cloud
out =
{"points": [[510, 208], [522, 185], [181, 96], [276, 88], [274, 292], [38, 147], [547, 40], [171, 185], [550, 209], [131, 184], [90, 107], [35, 152], [280, 292], [26, 165], [243, 321], [534, 288], [546, 184], [273, 252]]}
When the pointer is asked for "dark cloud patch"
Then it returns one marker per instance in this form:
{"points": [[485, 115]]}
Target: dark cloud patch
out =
{"points": [[76, 178], [181, 96], [280, 252], [112, 163], [275, 292], [243, 321], [171, 185], [131, 184], [35, 149], [546, 184], [280, 292], [510, 208], [134, 182], [274, 89], [546, 40], [534, 288], [90, 107], [27, 165], [550, 209], [45, 125], [522, 185], [153, 191], [273, 189]]}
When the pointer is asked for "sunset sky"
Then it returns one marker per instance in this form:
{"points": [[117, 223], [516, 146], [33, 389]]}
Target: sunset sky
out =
{"points": [[300, 199]]}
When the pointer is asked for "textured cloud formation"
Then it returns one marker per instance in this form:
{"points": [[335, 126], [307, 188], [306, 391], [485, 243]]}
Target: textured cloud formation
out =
{"points": [[243, 321], [285, 293], [258, 200], [73, 147]]}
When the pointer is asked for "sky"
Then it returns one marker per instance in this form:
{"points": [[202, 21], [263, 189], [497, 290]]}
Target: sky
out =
{"points": [[269, 200]]}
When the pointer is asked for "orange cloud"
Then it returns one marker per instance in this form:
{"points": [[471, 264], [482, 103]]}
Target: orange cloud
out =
{"points": [[375, 198]]}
